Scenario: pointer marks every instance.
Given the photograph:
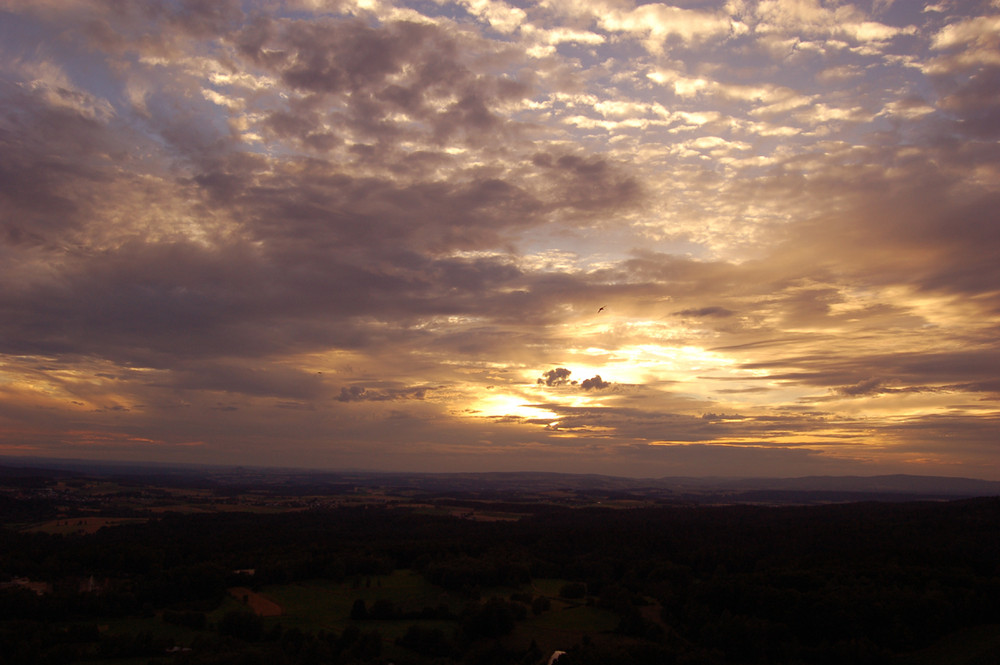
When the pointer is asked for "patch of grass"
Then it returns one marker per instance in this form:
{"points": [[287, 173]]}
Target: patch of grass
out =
{"points": [[155, 626], [326, 605]]}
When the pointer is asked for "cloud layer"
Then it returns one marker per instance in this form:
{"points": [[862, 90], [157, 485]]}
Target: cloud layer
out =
{"points": [[714, 238]]}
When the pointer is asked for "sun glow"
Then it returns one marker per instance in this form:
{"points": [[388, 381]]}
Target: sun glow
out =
{"points": [[512, 405], [649, 363]]}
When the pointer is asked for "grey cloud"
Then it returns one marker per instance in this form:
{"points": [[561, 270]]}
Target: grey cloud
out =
{"points": [[357, 393], [902, 223], [970, 438], [305, 126], [639, 424], [594, 383], [339, 56], [720, 312], [588, 184], [870, 387], [864, 387], [147, 301], [198, 17], [688, 277], [155, 27], [555, 377], [325, 208], [975, 104], [742, 391], [739, 461], [49, 177], [242, 379], [897, 372], [721, 416], [414, 68], [137, 302]]}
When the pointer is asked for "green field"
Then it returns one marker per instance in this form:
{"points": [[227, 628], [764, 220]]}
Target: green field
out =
{"points": [[73, 525], [324, 605]]}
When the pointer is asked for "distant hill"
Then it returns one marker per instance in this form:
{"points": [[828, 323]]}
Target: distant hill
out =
{"points": [[807, 489], [893, 484]]}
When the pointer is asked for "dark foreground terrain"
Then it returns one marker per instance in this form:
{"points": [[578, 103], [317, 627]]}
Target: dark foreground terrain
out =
{"points": [[133, 567]]}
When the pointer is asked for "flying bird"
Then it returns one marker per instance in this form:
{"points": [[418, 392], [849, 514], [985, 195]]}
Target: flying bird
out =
{"points": [[600, 310]]}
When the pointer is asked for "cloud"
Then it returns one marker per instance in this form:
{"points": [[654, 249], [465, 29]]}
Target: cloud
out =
{"points": [[361, 394], [555, 377], [657, 23], [981, 31], [499, 15], [594, 383], [588, 185], [809, 17], [398, 79], [864, 387], [720, 312], [235, 378]]}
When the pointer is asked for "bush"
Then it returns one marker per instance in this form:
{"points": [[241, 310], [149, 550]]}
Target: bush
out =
{"points": [[494, 618]]}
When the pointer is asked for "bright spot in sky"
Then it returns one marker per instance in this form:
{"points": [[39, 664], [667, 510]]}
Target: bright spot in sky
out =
{"points": [[510, 405]]}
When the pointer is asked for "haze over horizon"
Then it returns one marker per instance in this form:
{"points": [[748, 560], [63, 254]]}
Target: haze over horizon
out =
{"points": [[730, 238]]}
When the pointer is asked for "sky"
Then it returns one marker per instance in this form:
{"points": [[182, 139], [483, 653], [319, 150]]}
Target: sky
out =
{"points": [[691, 238]]}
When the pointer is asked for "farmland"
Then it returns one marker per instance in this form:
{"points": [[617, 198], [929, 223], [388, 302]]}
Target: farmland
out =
{"points": [[117, 570]]}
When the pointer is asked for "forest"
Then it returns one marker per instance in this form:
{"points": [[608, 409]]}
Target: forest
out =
{"points": [[371, 583]]}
